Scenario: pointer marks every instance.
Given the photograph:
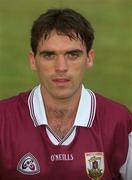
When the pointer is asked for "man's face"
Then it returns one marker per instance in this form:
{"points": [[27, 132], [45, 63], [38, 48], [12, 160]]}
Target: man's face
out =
{"points": [[60, 63]]}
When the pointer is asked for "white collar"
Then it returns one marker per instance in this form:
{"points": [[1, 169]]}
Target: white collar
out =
{"points": [[85, 113]]}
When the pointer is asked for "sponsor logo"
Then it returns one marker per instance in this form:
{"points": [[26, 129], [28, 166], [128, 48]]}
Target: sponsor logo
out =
{"points": [[62, 157], [28, 165], [94, 165]]}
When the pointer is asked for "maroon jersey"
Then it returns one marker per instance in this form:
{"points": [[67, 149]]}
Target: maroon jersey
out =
{"points": [[96, 151]]}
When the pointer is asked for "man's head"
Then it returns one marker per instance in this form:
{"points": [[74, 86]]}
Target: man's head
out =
{"points": [[61, 42], [63, 21]]}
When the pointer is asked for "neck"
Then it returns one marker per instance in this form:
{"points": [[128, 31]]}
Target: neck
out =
{"points": [[61, 113], [58, 107]]}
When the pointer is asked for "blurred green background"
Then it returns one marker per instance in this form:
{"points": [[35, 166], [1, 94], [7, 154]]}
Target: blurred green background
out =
{"points": [[111, 74]]}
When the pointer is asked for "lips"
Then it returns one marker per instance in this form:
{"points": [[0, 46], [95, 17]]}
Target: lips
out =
{"points": [[61, 81]]}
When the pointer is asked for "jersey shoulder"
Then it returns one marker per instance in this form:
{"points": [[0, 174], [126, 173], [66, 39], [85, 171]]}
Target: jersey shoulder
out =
{"points": [[113, 111], [109, 104], [11, 104]]}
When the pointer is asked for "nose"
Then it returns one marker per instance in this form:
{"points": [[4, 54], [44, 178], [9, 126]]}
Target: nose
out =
{"points": [[61, 64]]}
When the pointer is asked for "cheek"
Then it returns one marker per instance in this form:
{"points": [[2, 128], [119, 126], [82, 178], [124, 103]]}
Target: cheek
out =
{"points": [[80, 69], [43, 68]]}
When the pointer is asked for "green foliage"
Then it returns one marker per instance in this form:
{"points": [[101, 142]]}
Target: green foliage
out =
{"points": [[111, 74]]}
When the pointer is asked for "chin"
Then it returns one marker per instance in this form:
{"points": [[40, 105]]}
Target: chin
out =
{"points": [[62, 95]]}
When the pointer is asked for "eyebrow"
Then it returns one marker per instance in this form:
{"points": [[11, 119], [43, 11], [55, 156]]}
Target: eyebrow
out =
{"points": [[78, 51], [46, 52]]}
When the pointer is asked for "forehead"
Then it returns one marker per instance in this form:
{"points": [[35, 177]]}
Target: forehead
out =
{"points": [[60, 42]]}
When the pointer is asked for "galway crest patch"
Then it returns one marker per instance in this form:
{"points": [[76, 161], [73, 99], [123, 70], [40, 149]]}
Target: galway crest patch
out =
{"points": [[28, 165], [94, 165]]}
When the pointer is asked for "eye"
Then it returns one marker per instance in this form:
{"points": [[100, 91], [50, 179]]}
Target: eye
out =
{"points": [[49, 56], [73, 55]]}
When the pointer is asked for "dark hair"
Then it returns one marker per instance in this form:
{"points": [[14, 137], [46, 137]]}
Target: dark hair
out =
{"points": [[64, 21]]}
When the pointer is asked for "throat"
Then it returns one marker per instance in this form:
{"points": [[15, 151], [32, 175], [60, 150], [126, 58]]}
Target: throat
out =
{"points": [[60, 130], [60, 121]]}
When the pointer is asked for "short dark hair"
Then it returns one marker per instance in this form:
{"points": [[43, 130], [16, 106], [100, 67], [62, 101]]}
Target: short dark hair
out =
{"points": [[65, 21]]}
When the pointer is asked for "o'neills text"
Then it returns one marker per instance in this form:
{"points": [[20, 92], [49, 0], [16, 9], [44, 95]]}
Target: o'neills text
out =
{"points": [[62, 157]]}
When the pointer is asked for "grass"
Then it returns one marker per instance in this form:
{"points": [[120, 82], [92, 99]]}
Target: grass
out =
{"points": [[111, 74]]}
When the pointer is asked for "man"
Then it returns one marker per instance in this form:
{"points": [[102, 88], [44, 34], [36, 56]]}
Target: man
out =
{"points": [[60, 130]]}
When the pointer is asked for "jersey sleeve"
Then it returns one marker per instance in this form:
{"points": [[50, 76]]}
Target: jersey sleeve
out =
{"points": [[126, 169]]}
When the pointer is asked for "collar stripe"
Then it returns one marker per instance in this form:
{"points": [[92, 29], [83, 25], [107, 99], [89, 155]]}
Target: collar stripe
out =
{"points": [[55, 135], [31, 108], [68, 135], [93, 109], [60, 141]]}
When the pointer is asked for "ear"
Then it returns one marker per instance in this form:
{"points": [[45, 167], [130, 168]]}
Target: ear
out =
{"points": [[90, 58], [32, 60]]}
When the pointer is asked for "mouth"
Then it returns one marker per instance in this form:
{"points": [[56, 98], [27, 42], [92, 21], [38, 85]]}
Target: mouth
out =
{"points": [[61, 81]]}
